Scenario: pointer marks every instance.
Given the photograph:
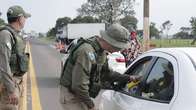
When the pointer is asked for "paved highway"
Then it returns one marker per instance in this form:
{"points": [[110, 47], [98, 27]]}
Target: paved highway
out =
{"points": [[44, 75]]}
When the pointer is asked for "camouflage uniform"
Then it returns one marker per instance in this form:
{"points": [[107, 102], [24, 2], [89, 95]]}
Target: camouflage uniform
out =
{"points": [[13, 60], [85, 73], [9, 84]]}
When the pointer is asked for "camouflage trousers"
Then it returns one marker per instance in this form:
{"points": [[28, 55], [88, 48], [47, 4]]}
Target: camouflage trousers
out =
{"points": [[20, 83], [69, 101], [3, 100]]}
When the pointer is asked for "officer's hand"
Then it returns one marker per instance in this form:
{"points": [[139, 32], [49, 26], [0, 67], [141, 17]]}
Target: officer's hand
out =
{"points": [[12, 99], [135, 78]]}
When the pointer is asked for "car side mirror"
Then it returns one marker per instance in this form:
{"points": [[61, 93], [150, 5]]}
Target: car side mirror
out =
{"points": [[116, 86]]}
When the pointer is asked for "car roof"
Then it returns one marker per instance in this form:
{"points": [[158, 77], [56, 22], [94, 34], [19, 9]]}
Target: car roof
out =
{"points": [[188, 51]]}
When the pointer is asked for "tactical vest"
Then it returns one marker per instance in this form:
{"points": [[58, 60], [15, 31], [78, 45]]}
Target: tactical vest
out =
{"points": [[95, 84], [19, 60]]}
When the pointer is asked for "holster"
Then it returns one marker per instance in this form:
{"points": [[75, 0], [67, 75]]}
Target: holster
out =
{"points": [[23, 63]]}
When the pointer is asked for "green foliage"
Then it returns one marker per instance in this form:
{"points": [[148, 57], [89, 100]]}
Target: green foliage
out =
{"points": [[154, 32], [173, 43], [183, 35], [41, 34], [130, 22], [85, 19], [2, 22], [193, 25], [107, 10], [62, 22], [51, 32], [140, 34]]}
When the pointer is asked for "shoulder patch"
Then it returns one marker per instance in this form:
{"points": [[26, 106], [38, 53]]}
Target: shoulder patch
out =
{"points": [[8, 44], [91, 55]]}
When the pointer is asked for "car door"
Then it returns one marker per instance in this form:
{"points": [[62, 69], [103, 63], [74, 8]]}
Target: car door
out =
{"points": [[159, 90], [141, 97], [123, 99]]}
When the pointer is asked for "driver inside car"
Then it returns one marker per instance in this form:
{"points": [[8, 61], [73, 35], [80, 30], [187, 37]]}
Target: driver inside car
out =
{"points": [[161, 89]]}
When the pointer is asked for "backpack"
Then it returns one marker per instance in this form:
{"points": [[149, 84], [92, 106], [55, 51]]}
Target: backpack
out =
{"points": [[94, 87]]}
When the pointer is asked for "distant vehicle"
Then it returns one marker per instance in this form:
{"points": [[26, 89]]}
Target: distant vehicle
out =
{"points": [[168, 78], [65, 35], [75, 31], [85, 30]]}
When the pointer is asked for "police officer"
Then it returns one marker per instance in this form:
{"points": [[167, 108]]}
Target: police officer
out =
{"points": [[86, 70], [13, 60]]}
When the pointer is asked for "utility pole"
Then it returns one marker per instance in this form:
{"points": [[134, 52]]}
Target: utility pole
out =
{"points": [[146, 30]]}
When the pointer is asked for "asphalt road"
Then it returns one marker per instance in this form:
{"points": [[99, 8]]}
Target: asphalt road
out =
{"points": [[46, 61]]}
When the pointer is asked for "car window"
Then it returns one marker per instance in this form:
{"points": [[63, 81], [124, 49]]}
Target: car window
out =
{"points": [[139, 68], [160, 82]]}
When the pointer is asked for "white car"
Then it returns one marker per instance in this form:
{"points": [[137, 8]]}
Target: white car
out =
{"points": [[116, 62], [168, 82]]}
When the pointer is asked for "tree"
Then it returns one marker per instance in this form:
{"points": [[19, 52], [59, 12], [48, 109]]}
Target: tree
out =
{"points": [[51, 32], [129, 22], [166, 26], [2, 22], [62, 22], [85, 19], [41, 34], [186, 29], [181, 35], [185, 33], [193, 25], [154, 32], [107, 10]]}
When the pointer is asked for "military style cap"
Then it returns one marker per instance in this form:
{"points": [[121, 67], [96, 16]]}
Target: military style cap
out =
{"points": [[17, 11], [117, 36]]}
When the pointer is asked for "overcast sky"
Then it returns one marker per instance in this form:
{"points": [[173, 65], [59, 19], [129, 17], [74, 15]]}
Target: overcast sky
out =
{"points": [[45, 12]]}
